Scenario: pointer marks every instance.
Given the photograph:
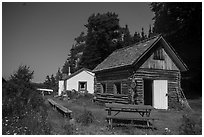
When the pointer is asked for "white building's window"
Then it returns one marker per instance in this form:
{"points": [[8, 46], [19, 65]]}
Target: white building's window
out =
{"points": [[82, 85]]}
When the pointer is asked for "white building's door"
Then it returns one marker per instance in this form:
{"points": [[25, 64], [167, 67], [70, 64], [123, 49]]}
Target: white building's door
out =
{"points": [[160, 98]]}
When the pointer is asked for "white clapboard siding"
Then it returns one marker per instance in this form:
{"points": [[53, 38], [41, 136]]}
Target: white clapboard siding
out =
{"points": [[160, 98], [84, 76]]}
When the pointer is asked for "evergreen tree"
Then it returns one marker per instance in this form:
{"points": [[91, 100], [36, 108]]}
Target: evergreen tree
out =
{"points": [[72, 60], [22, 76], [102, 29], [23, 109], [58, 75], [150, 32], [80, 39], [103, 36], [65, 67], [126, 37], [53, 81], [47, 82], [180, 23], [143, 34], [136, 37]]}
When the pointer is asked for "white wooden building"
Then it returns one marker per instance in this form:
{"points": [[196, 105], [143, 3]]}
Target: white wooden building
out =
{"points": [[81, 81]]}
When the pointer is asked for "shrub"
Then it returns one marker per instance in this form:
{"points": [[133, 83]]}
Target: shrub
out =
{"points": [[88, 96], [85, 118], [190, 125], [176, 105], [23, 110]]}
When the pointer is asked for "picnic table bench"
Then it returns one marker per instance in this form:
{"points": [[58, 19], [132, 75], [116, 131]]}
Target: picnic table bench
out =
{"points": [[110, 100], [144, 112], [65, 111]]}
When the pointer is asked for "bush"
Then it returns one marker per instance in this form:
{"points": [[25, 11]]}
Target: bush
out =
{"points": [[23, 109], [24, 115], [176, 106], [85, 118], [88, 96], [190, 125]]}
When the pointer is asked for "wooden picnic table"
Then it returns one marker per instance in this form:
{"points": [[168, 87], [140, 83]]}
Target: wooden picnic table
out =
{"points": [[143, 110]]}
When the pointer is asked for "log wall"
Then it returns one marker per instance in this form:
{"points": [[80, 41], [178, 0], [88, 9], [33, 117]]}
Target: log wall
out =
{"points": [[126, 77], [172, 76]]}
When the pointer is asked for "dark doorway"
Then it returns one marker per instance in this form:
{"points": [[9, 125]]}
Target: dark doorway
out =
{"points": [[148, 92]]}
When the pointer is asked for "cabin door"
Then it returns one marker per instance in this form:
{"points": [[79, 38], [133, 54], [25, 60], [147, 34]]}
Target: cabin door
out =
{"points": [[160, 98]]}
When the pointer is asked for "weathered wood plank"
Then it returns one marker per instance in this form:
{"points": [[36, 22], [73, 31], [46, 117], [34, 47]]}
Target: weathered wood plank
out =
{"points": [[166, 64]]}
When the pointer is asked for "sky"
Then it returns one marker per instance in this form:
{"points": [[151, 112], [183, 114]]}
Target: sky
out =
{"points": [[40, 35]]}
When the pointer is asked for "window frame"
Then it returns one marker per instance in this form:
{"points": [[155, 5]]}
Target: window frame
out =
{"points": [[85, 86], [116, 85], [102, 86]]}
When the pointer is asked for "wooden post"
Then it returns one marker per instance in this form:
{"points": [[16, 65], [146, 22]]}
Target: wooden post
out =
{"points": [[111, 122]]}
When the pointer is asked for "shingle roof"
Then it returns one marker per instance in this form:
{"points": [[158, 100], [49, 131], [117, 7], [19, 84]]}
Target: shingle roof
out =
{"points": [[126, 56]]}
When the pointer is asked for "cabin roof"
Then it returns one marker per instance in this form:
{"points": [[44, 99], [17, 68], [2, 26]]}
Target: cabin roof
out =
{"points": [[79, 71], [130, 55]]}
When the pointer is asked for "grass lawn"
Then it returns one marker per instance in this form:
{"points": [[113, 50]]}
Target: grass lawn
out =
{"points": [[170, 119]]}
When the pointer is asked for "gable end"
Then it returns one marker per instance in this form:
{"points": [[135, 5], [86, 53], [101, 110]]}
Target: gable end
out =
{"points": [[164, 62]]}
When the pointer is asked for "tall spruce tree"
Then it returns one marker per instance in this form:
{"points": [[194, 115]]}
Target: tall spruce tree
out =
{"points": [[142, 34], [65, 67], [102, 29], [136, 37], [150, 31], [58, 75], [126, 37], [47, 82], [181, 23]]}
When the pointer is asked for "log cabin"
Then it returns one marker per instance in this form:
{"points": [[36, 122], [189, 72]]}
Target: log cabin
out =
{"points": [[148, 71]]}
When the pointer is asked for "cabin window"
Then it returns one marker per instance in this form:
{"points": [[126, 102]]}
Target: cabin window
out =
{"points": [[117, 88], [158, 54], [103, 87]]}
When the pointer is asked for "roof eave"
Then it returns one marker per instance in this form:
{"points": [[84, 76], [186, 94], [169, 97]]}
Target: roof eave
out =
{"points": [[111, 69], [144, 53], [182, 66], [77, 72]]}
